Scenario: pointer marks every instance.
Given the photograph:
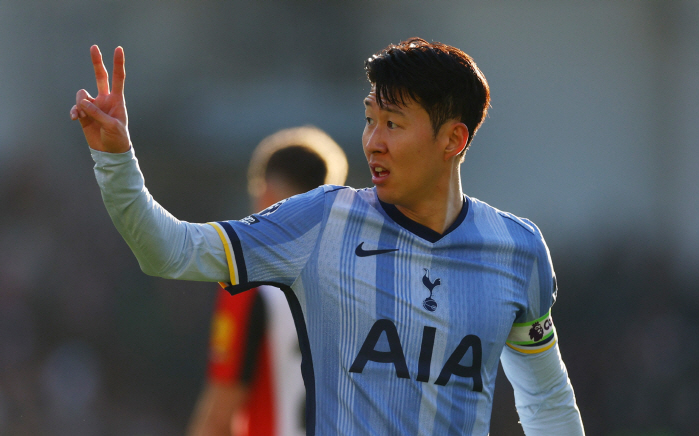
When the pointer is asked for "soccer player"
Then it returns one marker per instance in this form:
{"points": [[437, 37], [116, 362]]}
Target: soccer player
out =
{"points": [[254, 384], [405, 295]]}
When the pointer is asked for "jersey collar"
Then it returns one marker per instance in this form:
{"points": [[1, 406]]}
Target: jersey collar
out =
{"points": [[418, 229]]}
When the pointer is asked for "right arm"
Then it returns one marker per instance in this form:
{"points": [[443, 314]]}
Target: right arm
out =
{"points": [[275, 251], [163, 245]]}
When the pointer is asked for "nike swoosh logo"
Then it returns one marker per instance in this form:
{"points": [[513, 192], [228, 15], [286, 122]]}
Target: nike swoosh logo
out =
{"points": [[366, 253]]}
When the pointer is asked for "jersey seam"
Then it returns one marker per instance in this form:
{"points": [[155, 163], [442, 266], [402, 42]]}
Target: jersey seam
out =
{"points": [[518, 221], [321, 230]]}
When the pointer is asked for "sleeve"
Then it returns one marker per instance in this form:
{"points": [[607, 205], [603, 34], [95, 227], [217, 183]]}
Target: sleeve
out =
{"points": [[544, 396], [273, 246], [238, 328], [532, 360], [164, 246], [533, 330]]}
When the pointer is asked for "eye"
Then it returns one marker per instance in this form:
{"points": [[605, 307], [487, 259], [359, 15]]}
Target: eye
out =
{"points": [[369, 120], [391, 125]]}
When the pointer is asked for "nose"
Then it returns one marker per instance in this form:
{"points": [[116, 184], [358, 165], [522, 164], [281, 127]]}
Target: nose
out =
{"points": [[374, 140]]}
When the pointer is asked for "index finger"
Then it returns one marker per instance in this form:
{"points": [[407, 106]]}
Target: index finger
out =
{"points": [[101, 74], [119, 72]]}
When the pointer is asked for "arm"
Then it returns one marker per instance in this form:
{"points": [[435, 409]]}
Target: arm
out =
{"points": [[163, 245], [531, 359], [214, 414], [543, 394]]}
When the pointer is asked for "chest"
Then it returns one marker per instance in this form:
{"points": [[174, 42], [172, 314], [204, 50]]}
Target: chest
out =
{"points": [[457, 289]]}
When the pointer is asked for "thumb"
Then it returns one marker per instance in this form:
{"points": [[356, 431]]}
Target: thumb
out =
{"points": [[95, 113]]}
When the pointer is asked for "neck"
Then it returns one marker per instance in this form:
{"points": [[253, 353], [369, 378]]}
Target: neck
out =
{"points": [[439, 210]]}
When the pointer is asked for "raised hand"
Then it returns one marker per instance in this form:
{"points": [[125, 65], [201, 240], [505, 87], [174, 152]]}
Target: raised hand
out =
{"points": [[103, 118]]}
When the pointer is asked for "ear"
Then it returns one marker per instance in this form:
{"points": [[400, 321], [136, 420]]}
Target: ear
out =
{"points": [[457, 135]]}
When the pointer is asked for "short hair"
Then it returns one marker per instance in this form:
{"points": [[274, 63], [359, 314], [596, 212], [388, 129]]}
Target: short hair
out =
{"points": [[444, 80], [304, 157]]}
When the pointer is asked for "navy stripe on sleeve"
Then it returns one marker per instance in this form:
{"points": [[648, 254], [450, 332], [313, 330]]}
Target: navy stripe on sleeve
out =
{"points": [[237, 251]]}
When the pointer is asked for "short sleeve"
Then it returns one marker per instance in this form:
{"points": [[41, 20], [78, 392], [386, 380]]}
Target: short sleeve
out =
{"points": [[274, 245], [533, 330]]}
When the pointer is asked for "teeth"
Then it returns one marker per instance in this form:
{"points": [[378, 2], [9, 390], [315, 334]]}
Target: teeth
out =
{"points": [[379, 169]]}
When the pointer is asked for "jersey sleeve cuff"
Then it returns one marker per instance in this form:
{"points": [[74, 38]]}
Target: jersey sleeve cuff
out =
{"points": [[234, 253], [103, 158], [534, 336]]}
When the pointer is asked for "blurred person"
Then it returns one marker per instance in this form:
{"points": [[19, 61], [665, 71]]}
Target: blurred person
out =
{"points": [[254, 384], [404, 295]]}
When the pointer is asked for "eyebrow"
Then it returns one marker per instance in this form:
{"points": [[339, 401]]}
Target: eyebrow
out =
{"points": [[387, 107]]}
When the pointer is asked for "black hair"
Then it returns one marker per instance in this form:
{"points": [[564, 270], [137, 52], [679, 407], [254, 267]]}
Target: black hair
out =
{"points": [[301, 167], [444, 80]]}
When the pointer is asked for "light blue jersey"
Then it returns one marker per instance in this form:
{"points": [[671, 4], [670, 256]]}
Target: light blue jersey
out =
{"points": [[401, 328]]}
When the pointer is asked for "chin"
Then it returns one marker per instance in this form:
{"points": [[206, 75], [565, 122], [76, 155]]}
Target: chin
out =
{"points": [[386, 195]]}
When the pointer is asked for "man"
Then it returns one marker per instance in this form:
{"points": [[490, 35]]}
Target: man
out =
{"points": [[254, 384], [404, 295]]}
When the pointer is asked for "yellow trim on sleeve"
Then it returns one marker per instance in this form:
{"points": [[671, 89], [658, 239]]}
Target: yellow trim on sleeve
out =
{"points": [[226, 247], [535, 351]]}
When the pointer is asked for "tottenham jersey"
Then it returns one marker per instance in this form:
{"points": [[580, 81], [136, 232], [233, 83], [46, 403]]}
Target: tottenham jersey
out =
{"points": [[400, 328]]}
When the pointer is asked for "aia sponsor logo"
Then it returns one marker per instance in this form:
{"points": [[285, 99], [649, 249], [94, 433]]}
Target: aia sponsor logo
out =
{"points": [[464, 361]]}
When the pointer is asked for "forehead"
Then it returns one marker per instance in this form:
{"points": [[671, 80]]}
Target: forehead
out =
{"points": [[401, 108]]}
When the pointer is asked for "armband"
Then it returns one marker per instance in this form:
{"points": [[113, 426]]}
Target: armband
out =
{"points": [[534, 336]]}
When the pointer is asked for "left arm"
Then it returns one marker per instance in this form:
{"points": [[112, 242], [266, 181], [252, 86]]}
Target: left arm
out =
{"points": [[532, 361], [543, 393]]}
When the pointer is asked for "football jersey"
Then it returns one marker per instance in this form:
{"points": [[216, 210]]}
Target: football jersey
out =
{"points": [[400, 327], [253, 343]]}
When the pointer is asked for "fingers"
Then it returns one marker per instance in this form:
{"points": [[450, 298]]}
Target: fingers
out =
{"points": [[101, 74], [76, 111], [119, 72], [83, 95], [103, 132], [91, 110]]}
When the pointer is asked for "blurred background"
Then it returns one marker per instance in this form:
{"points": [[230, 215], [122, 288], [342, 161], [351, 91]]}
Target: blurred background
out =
{"points": [[593, 134]]}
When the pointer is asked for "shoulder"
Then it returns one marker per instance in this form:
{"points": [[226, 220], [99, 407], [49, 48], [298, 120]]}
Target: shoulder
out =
{"points": [[317, 203], [311, 201], [329, 189], [347, 191], [524, 227], [348, 196]]}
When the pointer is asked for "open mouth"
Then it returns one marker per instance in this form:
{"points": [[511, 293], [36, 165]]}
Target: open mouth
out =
{"points": [[379, 171]]}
